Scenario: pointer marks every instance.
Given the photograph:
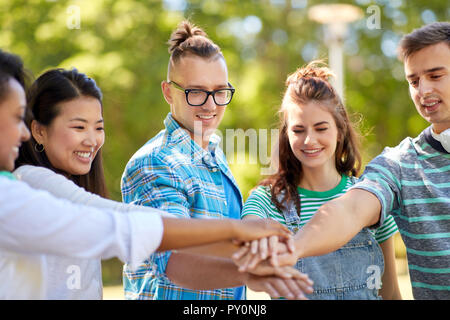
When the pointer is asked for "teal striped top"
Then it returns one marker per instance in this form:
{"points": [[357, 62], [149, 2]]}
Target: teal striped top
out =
{"points": [[412, 183], [260, 204]]}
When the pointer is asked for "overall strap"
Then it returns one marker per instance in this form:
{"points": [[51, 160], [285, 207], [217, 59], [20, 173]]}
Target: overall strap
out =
{"points": [[290, 214]]}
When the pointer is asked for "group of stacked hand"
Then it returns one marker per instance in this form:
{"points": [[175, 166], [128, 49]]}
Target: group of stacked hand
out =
{"points": [[273, 257]]}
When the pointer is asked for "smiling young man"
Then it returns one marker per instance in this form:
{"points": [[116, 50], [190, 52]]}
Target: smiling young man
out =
{"points": [[411, 181], [183, 170]]}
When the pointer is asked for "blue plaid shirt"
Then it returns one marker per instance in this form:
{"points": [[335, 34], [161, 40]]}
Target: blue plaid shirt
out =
{"points": [[173, 173]]}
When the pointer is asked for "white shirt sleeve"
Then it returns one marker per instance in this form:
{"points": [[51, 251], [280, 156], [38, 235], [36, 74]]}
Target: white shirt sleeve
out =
{"points": [[33, 221], [63, 188]]}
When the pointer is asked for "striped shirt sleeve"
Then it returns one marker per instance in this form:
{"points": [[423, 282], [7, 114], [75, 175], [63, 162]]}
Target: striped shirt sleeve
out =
{"points": [[380, 178], [386, 230], [257, 204]]}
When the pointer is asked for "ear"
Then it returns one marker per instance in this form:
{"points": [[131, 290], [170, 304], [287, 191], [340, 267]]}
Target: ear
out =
{"points": [[38, 131], [166, 90]]}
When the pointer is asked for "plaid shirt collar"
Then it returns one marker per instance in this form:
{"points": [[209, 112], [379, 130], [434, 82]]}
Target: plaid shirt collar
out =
{"points": [[181, 137]]}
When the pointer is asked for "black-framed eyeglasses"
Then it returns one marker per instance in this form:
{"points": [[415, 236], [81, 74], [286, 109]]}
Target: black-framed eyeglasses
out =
{"points": [[198, 97]]}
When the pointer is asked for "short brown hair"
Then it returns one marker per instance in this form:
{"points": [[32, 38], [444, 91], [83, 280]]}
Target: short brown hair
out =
{"points": [[428, 35]]}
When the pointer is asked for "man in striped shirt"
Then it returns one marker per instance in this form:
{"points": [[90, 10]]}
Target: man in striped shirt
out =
{"points": [[411, 181]]}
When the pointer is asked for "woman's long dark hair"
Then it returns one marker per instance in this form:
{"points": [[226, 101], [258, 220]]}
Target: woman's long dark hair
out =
{"points": [[46, 93], [310, 84]]}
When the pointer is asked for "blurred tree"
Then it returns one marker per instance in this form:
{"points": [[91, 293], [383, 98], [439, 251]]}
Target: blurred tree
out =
{"points": [[122, 45]]}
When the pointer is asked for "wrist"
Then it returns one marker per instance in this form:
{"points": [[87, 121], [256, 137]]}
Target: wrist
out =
{"points": [[244, 277], [298, 253], [233, 228]]}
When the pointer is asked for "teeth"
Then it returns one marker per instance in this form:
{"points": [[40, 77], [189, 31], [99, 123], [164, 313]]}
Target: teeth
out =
{"points": [[311, 151], [205, 117], [430, 104], [83, 154]]}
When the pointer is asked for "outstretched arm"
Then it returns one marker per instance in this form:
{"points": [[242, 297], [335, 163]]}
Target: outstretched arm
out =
{"points": [[331, 227], [335, 223], [182, 233]]}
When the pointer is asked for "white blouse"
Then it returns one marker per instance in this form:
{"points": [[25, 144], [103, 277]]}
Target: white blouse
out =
{"points": [[37, 228]]}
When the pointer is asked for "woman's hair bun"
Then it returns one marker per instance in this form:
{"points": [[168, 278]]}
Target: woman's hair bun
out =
{"points": [[314, 69]]}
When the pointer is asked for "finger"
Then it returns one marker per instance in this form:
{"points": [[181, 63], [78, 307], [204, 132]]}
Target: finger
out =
{"points": [[273, 244], [285, 234], [281, 229], [280, 286], [240, 253], [286, 259], [254, 246], [282, 273], [296, 289], [295, 274], [254, 262], [304, 286], [263, 248], [301, 279], [271, 291], [246, 261], [290, 245]]}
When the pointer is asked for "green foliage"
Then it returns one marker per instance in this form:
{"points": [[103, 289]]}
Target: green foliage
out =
{"points": [[122, 45]]}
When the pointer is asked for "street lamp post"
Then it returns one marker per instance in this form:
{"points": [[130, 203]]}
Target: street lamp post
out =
{"points": [[335, 18]]}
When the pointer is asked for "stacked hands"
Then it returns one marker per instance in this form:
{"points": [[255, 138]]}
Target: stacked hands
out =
{"points": [[272, 257]]}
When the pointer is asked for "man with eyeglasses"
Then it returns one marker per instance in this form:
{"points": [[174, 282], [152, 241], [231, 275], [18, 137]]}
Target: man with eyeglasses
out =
{"points": [[183, 170]]}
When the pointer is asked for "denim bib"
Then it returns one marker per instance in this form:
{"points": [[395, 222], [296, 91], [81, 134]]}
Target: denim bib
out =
{"points": [[352, 272]]}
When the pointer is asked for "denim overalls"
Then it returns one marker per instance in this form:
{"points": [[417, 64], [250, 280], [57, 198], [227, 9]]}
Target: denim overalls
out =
{"points": [[349, 273]]}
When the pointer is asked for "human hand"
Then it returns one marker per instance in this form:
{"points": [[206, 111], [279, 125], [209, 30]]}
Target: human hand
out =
{"points": [[278, 287], [265, 268], [251, 254], [251, 229]]}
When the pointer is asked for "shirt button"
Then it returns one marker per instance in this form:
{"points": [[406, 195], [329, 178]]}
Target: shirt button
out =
{"points": [[214, 169], [207, 158]]}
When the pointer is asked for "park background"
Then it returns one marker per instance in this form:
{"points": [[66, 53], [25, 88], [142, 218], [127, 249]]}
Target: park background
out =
{"points": [[122, 45]]}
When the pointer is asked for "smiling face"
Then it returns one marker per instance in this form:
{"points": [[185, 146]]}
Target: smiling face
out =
{"points": [[74, 137], [312, 134], [13, 130], [192, 72], [428, 74]]}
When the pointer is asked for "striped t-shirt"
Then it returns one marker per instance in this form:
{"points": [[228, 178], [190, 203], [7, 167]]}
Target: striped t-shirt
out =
{"points": [[412, 183], [259, 203]]}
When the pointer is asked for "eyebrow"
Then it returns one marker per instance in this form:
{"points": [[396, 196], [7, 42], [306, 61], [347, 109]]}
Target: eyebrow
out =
{"points": [[84, 120], [222, 86], [426, 71], [315, 124]]}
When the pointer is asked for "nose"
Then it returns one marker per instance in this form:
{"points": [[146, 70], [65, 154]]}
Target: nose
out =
{"points": [[25, 133], [209, 104], [310, 138], [90, 139], [425, 87]]}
